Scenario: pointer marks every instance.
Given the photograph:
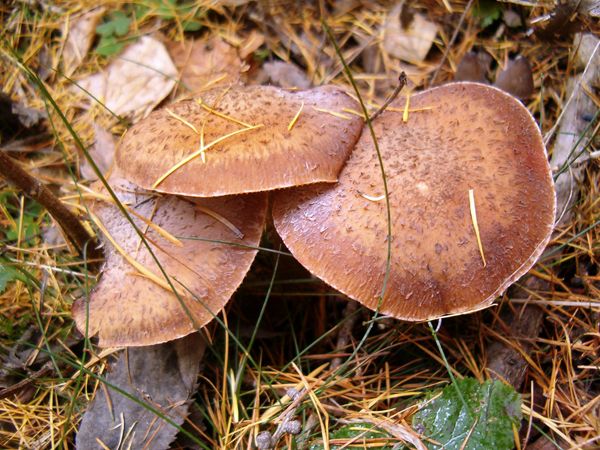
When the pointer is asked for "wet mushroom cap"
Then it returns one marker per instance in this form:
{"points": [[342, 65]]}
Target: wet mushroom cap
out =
{"points": [[458, 137], [127, 308], [300, 138]]}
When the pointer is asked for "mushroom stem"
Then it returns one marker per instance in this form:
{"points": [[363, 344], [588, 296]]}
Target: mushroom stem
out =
{"points": [[33, 188]]}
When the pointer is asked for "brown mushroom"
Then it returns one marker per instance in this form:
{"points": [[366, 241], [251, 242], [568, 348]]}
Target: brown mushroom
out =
{"points": [[471, 198], [132, 304], [242, 139]]}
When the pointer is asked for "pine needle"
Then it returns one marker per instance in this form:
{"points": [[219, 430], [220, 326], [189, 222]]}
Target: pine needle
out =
{"points": [[475, 224], [371, 198], [405, 112], [202, 148], [295, 119], [144, 271], [333, 113], [221, 219], [223, 116], [161, 231], [182, 120], [199, 153]]}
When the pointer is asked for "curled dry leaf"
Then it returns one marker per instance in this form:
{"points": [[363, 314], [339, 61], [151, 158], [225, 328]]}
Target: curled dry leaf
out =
{"points": [[574, 132], [205, 63], [516, 78], [79, 34], [163, 376], [255, 150], [133, 306], [473, 67], [136, 81], [283, 74], [409, 44], [103, 152], [463, 136]]}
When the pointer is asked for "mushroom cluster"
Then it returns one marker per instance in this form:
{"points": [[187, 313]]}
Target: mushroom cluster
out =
{"points": [[470, 204]]}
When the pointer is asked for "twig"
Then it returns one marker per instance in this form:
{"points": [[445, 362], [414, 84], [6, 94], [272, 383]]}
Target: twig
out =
{"points": [[401, 84], [33, 188]]}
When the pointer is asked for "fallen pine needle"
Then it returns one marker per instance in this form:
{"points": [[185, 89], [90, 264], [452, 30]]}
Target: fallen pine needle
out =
{"points": [[182, 120], [371, 197], [161, 231], [144, 271], [333, 113], [475, 224], [405, 112], [199, 153], [202, 149], [295, 119], [223, 116], [221, 219]]}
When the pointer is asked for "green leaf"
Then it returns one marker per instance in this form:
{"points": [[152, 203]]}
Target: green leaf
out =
{"points": [[105, 29], [8, 274], [190, 25], [121, 23], [118, 25], [108, 46], [488, 11], [492, 408], [358, 434]]}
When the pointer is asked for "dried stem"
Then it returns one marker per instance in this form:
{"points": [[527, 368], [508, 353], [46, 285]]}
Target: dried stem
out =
{"points": [[33, 188], [401, 84]]}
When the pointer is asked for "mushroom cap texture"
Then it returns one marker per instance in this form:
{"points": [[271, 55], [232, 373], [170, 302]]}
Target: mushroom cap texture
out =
{"points": [[128, 309], [265, 158], [460, 136]]}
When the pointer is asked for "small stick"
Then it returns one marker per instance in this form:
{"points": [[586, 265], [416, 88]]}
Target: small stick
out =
{"points": [[401, 84], [75, 231]]}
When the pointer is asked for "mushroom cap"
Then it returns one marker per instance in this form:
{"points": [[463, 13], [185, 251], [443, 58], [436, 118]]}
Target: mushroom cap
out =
{"points": [[127, 308], [264, 158], [462, 136]]}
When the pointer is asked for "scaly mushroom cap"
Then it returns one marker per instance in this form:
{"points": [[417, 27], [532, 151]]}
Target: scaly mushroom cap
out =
{"points": [[458, 137], [127, 308], [258, 159]]}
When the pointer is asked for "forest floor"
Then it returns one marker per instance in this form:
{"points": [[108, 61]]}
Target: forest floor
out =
{"points": [[542, 336]]}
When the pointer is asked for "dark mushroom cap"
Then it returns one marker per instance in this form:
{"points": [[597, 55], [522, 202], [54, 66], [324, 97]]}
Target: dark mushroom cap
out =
{"points": [[466, 136], [265, 158], [128, 309]]}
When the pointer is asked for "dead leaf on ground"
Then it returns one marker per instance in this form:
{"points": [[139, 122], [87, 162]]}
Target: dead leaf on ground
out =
{"points": [[473, 67], [205, 64], [79, 33], [160, 376], [516, 78], [136, 81], [409, 44], [282, 74], [103, 152]]}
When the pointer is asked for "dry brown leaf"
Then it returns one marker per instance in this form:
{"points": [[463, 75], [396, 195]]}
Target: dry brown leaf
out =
{"points": [[79, 33], [136, 81], [516, 78], [409, 44], [205, 64], [282, 74], [103, 152], [162, 376]]}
